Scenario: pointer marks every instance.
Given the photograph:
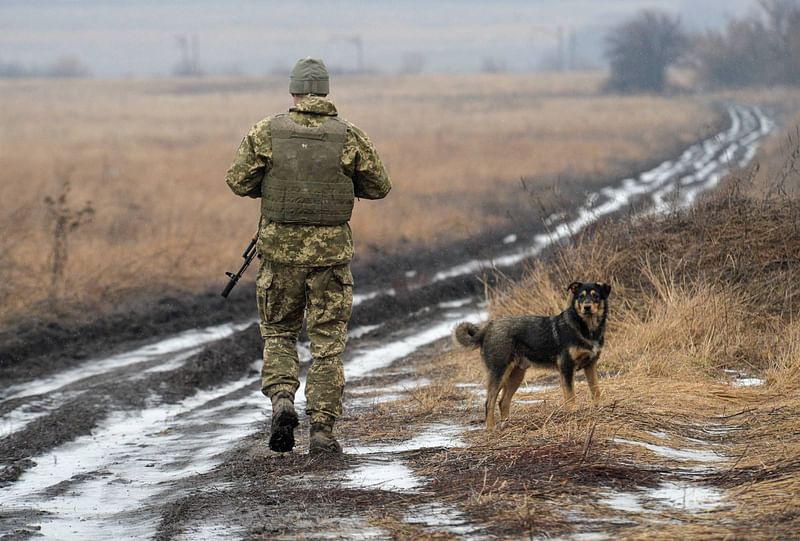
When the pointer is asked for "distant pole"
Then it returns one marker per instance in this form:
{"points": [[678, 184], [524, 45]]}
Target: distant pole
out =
{"points": [[195, 55], [183, 45], [357, 41], [560, 36], [573, 46]]}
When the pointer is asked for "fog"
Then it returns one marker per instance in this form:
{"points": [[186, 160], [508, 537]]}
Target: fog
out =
{"points": [[148, 37]]}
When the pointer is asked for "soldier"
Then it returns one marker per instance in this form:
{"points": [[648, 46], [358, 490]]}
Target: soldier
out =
{"points": [[307, 166]]}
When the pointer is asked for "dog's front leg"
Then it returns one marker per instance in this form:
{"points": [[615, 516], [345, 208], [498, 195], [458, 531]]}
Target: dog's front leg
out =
{"points": [[591, 379], [566, 369]]}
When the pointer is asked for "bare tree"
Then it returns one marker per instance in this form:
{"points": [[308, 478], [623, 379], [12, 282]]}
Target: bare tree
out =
{"points": [[64, 220], [641, 49], [761, 49], [783, 26], [67, 67]]}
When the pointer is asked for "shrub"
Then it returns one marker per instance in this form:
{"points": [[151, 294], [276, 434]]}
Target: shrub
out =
{"points": [[641, 49]]}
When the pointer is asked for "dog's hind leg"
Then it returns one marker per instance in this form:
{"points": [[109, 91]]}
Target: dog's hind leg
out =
{"points": [[512, 384], [492, 390], [491, 397], [591, 379]]}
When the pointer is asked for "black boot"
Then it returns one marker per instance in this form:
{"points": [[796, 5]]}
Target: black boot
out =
{"points": [[322, 440], [284, 421]]}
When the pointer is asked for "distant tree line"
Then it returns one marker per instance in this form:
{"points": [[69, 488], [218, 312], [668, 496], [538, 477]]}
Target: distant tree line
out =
{"points": [[63, 67], [761, 49]]}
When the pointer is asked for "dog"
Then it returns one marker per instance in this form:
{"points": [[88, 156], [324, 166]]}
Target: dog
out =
{"points": [[570, 341]]}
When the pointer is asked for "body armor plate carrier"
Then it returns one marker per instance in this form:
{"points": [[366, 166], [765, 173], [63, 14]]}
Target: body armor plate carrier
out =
{"points": [[306, 184]]}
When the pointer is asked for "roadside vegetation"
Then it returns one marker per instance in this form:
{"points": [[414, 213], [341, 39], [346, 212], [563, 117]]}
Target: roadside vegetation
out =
{"points": [[761, 48], [151, 157], [696, 433]]}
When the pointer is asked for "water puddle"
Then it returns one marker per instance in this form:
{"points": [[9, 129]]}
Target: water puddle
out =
{"points": [[336, 529], [151, 352], [692, 455], [358, 332], [742, 379], [173, 364], [383, 474], [687, 497], [669, 495], [382, 469], [438, 435], [210, 532], [441, 517], [358, 298], [458, 303], [20, 417], [748, 382], [365, 361]]}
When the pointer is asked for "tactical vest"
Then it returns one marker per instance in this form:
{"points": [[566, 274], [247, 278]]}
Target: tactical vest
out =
{"points": [[306, 184]]}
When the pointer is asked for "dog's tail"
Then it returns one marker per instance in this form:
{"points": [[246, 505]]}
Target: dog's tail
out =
{"points": [[469, 335]]}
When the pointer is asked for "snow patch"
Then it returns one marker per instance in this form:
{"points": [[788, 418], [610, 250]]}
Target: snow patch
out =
{"points": [[676, 454], [383, 474], [440, 516], [170, 346], [667, 496], [436, 435]]}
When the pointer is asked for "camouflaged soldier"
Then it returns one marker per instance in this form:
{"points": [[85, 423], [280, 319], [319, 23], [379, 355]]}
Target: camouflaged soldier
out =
{"points": [[307, 166]]}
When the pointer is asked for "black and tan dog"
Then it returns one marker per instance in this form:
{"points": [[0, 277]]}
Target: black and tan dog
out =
{"points": [[570, 341]]}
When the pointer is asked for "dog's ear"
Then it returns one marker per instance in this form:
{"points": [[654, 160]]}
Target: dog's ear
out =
{"points": [[574, 287], [605, 289]]}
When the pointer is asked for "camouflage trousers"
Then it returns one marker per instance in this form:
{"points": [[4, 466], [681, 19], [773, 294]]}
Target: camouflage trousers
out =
{"points": [[286, 293]]}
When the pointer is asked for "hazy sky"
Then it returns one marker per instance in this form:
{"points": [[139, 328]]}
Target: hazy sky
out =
{"points": [[140, 37]]}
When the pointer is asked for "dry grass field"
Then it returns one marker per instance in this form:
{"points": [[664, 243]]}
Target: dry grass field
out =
{"points": [[150, 157]]}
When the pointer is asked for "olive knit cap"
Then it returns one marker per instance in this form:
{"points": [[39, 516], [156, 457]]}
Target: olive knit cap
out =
{"points": [[309, 76]]}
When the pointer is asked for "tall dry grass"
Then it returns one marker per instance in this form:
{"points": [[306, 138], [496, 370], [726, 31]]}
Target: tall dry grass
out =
{"points": [[151, 157], [696, 292], [698, 299]]}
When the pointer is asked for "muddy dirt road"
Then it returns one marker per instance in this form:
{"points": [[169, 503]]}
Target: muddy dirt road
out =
{"points": [[166, 439]]}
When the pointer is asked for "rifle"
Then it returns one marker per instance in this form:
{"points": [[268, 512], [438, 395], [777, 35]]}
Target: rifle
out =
{"points": [[248, 255]]}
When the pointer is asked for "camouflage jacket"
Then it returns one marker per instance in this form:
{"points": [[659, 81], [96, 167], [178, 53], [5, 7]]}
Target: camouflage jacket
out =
{"points": [[311, 245]]}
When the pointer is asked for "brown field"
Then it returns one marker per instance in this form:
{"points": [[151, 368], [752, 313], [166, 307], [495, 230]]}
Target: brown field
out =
{"points": [[151, 157]]}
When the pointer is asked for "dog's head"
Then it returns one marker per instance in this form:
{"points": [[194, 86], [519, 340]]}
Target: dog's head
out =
{"points": [[590, 301]]}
